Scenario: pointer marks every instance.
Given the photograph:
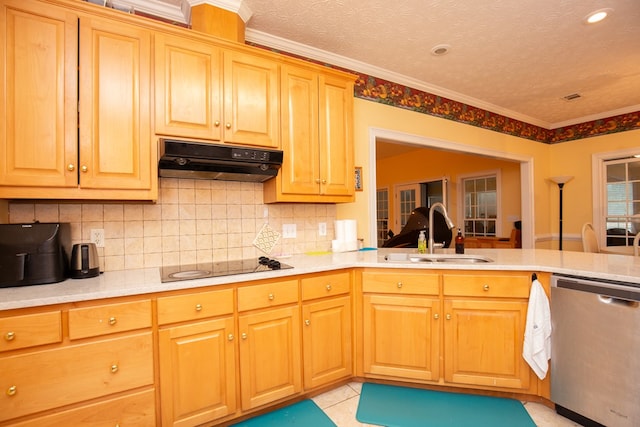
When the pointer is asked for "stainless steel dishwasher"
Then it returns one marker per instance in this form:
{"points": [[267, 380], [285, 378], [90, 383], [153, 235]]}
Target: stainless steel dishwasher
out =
{"points": [[595, 350]]}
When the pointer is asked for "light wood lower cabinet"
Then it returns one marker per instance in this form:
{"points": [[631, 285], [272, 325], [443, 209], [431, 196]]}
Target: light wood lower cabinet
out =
{"points": [[48, 379], [468, 333], [197, 372], [270, 357], [485, 317], [401, 336]]}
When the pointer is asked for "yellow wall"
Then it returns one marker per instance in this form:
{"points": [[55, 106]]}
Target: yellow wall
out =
{"points": [[422, 164], [569, 158]]}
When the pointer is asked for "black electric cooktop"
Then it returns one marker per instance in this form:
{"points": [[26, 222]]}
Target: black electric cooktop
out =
{"points": [[217, 269]]}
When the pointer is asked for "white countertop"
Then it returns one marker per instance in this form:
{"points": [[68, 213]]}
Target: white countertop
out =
{"points": [[143, 281]]}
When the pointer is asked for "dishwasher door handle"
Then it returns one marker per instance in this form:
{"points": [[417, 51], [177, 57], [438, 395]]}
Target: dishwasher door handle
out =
{"points": [[605, 299]]}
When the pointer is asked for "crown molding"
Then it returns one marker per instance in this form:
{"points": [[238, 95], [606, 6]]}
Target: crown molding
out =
{"points": [[594, 117], [159, 9], [235, 6]]}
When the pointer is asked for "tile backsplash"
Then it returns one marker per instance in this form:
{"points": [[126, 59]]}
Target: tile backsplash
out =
{"points": [[193, 221]]}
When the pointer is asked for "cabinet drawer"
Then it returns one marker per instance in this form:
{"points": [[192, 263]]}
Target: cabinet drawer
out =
{"points": [[52, 378], [194, 306], [136, 409], [325, 285], [487, 285], [30, 330], [267, 295], [106, 319], [399, 282]]}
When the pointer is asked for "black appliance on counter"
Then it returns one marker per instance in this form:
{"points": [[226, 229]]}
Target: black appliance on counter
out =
{"points": [[419, 220], [176, 273], [34, 254]]}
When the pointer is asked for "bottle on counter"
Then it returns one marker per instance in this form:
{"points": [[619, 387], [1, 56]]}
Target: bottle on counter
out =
{"points": [[459, 242], [422, 243]]}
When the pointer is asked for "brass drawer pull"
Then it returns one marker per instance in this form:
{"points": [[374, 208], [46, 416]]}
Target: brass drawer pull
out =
{"points": [[113, 321], [114, 368], [328, 288], [11, 391], [485, 288], [198, 307], [271, 297], [399, 285], [10, 336]]}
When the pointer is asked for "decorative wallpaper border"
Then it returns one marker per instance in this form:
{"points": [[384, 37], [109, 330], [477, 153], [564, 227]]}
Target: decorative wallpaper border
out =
{"points": [[389, 93]]}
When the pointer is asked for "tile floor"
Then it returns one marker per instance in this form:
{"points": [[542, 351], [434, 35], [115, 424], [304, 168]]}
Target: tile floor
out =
{"points": [[341, 405]]}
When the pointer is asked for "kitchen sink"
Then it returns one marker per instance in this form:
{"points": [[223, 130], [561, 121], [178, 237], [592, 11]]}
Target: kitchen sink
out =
{"points": [[438, 258], [449, 258]]}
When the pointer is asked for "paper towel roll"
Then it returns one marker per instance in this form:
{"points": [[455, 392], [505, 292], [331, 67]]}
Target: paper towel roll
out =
{"points": [[350, 230], [339, 230]]}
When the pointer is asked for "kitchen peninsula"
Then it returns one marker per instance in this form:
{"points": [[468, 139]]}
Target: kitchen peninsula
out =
{"points": [[132, 344]]}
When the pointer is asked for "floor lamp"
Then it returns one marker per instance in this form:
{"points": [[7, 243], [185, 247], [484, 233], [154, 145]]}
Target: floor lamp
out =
{"points": [[561, 181]]}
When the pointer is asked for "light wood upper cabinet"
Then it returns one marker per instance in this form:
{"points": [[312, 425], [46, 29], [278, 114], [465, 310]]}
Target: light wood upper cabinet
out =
{"points": [[212, 93], [38, 95], [317, 140], [188, 88], [67, 74], [115, 139], [251, 102]]}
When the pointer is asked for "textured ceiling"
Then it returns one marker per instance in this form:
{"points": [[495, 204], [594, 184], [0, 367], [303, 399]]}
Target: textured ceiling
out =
{"points": [[517, 58]]}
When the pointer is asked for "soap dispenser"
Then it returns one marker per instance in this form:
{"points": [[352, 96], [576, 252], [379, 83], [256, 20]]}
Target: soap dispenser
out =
{"points": [[422, 243]]}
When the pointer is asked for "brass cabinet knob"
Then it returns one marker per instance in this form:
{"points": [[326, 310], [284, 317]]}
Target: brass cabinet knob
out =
{"points": [[84, 168], [113, 321], [114, 368], [217, 123], [244, 335], [271, 297], [485, 288], [307, 322], [230, 337], [10, 336], [448, 317], [71, 167], [328, 287], [399, 285], [324, 181], [198, 307], [228, 125], [436, 316], [318, 181], [11, 391]]}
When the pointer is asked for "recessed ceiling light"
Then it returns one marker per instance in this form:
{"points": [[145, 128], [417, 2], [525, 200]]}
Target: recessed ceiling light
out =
{"points": [[441, 49], [597, 16]]}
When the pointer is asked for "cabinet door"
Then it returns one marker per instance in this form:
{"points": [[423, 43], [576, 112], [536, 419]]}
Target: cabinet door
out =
{"points": [[270, 362], [251, 110], [197, 372], [115, 133], [300, 173], [483, 343], [401, 337], [326, 337], [337, 172], [187, 87], [38, 95]]}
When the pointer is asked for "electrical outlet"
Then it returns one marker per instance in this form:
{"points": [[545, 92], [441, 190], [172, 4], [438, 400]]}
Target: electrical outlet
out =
{"points": [[289, 231], [97, 237], [322, 229]]}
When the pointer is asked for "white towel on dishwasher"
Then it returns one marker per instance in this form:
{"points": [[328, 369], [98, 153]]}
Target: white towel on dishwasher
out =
{"points": [[537, 333]]}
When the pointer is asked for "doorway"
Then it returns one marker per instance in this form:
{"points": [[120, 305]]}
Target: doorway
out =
{"points": [[413, 141]]}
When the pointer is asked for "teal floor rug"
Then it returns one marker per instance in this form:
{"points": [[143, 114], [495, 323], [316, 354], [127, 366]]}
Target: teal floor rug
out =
{"points": [[394, 406], [301, 414]]}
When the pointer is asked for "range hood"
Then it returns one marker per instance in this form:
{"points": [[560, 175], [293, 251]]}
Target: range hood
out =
{"points": [[186, 159]]}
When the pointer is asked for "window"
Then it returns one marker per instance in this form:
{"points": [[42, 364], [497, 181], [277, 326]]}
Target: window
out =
{"points": [[382, 213], [622, 195], [480, 205]]}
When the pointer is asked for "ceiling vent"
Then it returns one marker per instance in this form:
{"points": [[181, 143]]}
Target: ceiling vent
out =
{"points": [[572, 97]]}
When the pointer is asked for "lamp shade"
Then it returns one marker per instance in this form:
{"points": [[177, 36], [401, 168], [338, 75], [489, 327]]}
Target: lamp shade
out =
{"points": [[563, 179]]}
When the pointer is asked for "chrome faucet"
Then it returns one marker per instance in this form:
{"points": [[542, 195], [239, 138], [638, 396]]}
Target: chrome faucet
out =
{"points": [[442, 210]]}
